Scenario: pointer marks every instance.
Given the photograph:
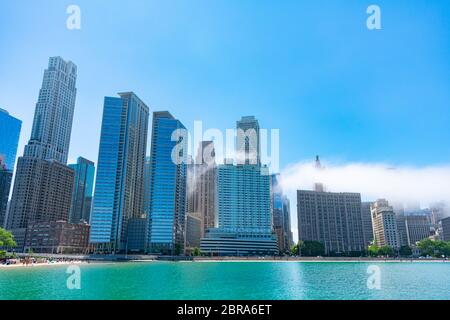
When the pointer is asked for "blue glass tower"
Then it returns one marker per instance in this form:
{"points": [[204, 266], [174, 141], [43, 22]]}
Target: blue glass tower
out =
{"points": [[82, 190], [9, 138], [119, 184], [167, 185]]}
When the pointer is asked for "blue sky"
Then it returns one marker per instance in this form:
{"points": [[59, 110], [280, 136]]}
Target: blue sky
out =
{"points": [[309, 68]]}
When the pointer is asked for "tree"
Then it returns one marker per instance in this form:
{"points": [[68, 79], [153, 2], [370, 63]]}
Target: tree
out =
{"points": [[405, 251], [432, 248], [373, 250], [7, 239], [312, 248], [196, 252], [386, 251]]}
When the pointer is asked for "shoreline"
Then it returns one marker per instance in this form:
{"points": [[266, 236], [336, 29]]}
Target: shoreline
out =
{"points": [[84, 262]]}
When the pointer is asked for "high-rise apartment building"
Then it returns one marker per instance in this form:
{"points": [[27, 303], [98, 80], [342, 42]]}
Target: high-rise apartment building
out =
{"points": [[280, 207], [366, 217], [43, 185], [167, 197], [9, 138], [244, 213], [333, 219], [413, 228], [82, 190], [384, 224], [119, 185], [53, 117], [445, 224]]}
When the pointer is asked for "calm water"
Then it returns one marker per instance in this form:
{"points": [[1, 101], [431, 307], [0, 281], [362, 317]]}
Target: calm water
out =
{"points": [[233, 280]]}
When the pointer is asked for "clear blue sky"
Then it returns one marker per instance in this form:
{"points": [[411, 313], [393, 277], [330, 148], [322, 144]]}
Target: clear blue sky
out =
{"points": [[310, 68]]}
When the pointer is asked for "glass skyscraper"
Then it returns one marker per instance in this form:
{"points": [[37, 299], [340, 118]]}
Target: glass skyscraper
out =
{"points": [[82, 190], [119, 186], [167, 185], [9, 138]]}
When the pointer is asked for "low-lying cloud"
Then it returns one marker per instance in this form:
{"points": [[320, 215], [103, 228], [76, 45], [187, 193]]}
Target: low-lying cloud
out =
{"points": [[397, 184]]}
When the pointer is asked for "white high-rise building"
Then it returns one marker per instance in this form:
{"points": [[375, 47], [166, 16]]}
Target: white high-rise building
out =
{"points": [[384, 224]]}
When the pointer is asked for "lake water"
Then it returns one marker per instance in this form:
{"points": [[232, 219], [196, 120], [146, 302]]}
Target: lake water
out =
{"points": [[230, 280]]}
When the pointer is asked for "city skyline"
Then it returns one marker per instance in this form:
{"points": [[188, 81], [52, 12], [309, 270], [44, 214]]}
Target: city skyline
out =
{"points": [[317, 93]]}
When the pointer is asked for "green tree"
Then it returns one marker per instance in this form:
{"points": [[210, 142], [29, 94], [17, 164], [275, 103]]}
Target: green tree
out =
{"points": [[7, 239], [386, 251], [312, 248], [373, 250], [432, 248], [196, 252], [405, 251]]}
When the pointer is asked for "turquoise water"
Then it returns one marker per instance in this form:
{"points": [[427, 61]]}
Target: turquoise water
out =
{"points": [[230, 280]]}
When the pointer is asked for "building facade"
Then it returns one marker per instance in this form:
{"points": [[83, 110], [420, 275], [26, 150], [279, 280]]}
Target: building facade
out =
{"points": [[280, 207], [167, 197], [43, 184], [243, 211], [57, 237], [248, 144], [384, 224], [445, 225], [83, 187], [119, 186], [366, 217], [333, 219]]}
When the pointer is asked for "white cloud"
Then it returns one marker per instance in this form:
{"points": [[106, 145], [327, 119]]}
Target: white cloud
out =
{"points": [[405, 184]]}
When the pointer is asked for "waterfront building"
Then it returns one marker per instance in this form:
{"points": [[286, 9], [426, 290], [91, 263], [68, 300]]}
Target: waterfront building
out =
{"points": [[58, 237], [367, 223], [193, 229], [334, 219], [244, 213], [280, 207], [43, 185], [119, 186], [137, 234], [445, 225], [9, 139], [248, 145], [82, 190], [167, 197], [384, 224], [205, 185]]}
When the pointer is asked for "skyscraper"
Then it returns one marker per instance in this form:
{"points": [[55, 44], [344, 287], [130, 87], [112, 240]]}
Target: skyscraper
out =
{"points": [[167, 196], [9, 138], [119, 186], [331, 218], [205, 181], [82, 190], [384, 224], [52, 124], [244, 213], [280, 214], [248, 146], [43, 185], [367, 222]]}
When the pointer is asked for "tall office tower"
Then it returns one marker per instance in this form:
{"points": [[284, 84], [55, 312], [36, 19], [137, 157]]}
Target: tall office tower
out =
{"points": [[119, 186], [318, 186], [384, 224], [248, 146], [331, 218], [205, 176], [445, 227], [438, 211], [244, 213], [418, 228], [147, 175], [366, 217], [43, 186], [167, 196], [82, 190], [9, 138], [280, 207], [52, 124]]}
